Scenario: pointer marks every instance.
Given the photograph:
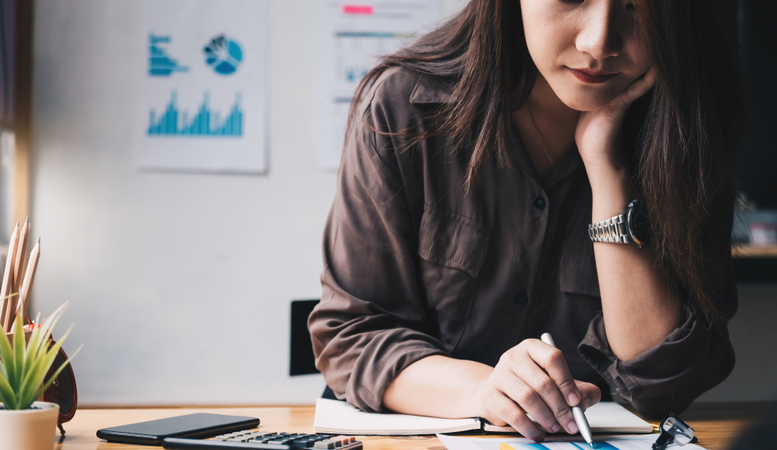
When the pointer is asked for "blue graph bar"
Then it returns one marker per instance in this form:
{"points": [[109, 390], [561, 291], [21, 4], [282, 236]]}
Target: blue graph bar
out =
{"points": [[204, 123], [160, 64]]}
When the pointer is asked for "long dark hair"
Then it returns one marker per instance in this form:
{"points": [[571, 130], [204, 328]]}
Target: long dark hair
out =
{"points": [[683, 139]]}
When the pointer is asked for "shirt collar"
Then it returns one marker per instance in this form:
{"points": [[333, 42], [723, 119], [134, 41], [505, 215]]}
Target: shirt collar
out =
{"points": [[430, 90], [568, 164]]}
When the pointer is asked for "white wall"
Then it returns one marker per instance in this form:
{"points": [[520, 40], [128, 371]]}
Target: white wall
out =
{"points": [[180, 284], [7, 145]]}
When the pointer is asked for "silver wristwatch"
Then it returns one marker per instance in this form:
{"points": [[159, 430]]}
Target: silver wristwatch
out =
{"points": [[631, 226]]}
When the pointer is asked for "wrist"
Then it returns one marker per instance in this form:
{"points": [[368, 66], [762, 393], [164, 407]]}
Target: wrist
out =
{"points": [[604, 156], [630, 226], [611, 193], [477, 391]]}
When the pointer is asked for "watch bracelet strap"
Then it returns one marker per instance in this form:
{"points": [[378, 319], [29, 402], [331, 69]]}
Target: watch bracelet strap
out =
{"points": [[612, 230]]}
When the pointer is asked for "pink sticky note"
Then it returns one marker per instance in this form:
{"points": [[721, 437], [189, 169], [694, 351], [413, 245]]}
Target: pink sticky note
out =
{"points": [[357, 9]]}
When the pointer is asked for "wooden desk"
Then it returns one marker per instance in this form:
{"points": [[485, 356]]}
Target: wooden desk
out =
{"points": [[716, 425]]}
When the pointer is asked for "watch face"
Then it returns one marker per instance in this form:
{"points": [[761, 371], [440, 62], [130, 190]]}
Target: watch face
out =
{"points": [[639, 223]]}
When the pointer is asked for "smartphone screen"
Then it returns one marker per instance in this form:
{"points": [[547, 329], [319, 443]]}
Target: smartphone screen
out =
{"points": [[199, 425]]}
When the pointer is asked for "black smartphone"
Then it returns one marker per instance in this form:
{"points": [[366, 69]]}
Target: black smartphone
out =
{"points": [[194, 426]]}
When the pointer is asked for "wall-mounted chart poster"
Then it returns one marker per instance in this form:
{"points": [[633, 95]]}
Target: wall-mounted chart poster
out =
{"points": [[351, 36], [201, 100]]}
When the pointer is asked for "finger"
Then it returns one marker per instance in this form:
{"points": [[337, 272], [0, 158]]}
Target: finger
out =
{"points": [[639, 87], [532, 403], [506, 410], [553, 363], [514, 380], [590, 392], [553, 403]]}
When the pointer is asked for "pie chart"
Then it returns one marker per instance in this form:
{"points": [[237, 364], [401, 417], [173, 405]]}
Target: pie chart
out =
{"points": [[223, 55]]}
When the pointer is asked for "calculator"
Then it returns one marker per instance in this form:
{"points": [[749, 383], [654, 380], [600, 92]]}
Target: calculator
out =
{"points": [[264, 440]]}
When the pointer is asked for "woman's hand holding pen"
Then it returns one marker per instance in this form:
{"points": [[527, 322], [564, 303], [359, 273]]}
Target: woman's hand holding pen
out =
{"points": [[532, 378]]}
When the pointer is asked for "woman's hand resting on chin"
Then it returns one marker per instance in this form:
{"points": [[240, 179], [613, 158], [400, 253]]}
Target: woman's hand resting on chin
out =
{"points": [[598, 132]]}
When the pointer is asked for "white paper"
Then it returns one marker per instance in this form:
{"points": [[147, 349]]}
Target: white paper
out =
{"points": [[341, 418], [642, 442], [201, 92], [603, 417], [350, 37]]}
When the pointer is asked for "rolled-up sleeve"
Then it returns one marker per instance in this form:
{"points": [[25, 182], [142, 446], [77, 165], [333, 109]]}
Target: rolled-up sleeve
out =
{"points": [[693, 358], [371, 322]]}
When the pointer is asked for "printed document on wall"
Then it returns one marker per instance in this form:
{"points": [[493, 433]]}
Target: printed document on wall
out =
{"points": [[350, 38], [201, 92]]}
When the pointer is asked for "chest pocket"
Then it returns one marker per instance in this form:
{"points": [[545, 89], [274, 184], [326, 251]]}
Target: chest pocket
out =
{"points": [[452, 250], [577, 266]]}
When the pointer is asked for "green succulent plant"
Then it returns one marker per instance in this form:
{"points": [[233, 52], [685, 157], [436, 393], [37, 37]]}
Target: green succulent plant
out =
{"points": [[24, 364]]}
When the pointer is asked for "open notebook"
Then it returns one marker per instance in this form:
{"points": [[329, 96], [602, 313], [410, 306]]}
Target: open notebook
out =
{"points": [[338, 417]]}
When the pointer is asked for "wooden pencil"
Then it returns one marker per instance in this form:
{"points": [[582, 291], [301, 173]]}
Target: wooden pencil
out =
{"points": [[21, 253], [7, 273], [29, 278]]}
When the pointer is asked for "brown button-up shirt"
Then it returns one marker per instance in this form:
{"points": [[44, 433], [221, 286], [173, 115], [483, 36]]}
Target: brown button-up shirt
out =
{"points": [[414, 267]]}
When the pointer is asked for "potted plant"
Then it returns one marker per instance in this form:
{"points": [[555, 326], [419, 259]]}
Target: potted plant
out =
{"points": [[25, 359]]}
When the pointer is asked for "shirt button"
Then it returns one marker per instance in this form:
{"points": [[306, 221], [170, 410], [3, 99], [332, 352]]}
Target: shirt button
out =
{"points": [[539, 203], [521, 300]]}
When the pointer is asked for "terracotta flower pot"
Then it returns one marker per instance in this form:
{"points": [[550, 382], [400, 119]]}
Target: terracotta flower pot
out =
{"points": [[29, 429]]}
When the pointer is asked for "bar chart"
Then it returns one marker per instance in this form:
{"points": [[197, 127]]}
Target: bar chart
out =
{"points": [[204, 122], [159, 62]]}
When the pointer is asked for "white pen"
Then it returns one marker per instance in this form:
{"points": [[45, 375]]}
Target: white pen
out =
{"points": [[580, 420]]}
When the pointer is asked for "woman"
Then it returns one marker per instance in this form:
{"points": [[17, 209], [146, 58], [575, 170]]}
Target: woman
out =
{"points": [[475, 163]]}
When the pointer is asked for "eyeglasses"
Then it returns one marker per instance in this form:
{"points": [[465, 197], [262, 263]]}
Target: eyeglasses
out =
{"points": [[674, 431]]}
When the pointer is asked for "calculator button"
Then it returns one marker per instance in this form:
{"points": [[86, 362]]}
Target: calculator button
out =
{"points": [[341, 440]]}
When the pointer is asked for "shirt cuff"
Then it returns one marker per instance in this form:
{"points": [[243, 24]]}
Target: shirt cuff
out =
{"points": [[381, 361], [658, 371]]}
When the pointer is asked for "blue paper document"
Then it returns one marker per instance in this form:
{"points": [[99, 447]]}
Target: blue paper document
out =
{"points": [[610, 442]]}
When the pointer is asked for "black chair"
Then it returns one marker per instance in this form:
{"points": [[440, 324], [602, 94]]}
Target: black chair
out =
{"points": [[301, 359]]}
